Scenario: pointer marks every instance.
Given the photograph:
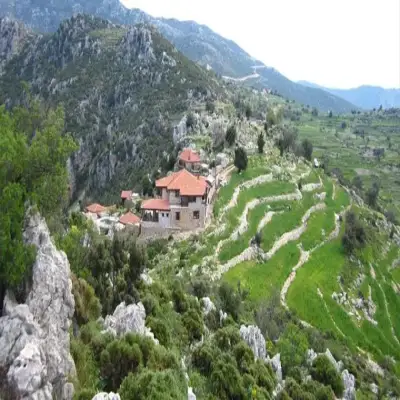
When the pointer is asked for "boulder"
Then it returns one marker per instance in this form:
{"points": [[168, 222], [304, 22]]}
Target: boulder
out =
{"points": [[107, 396], [208, 305], [222, 316], [277, 367], [126, 319], [374, 388], [337, 364], [191, 395], [34, 337], [349, 383], [254, 338], [311, 355]]}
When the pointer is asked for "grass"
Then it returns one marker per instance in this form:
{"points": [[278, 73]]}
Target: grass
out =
{"points": [[262, 279], [319, 226]]}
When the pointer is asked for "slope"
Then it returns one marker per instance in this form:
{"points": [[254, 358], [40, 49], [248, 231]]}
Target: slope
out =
{"points": [[197, 42], [121, 88]]}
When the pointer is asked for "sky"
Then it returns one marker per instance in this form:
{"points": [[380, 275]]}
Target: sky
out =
{"points": [[337, 44]]}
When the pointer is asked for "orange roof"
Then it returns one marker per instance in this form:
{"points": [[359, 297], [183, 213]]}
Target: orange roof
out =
{"points": [[187, 183], [95, 208], [188, 155], [156, 204], [129, 219], [126, 194]]}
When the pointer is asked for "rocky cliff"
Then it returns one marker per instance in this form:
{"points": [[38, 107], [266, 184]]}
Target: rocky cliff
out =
{"points": [[122, 89], [34, 337]]}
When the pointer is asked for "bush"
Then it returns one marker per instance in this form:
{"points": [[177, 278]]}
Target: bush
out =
{"points": [[201, 288], [160, 330], [323, 371], [354, 236], [240, 160], [231, 134], [307, 149], [210, 107], [193, 323], [203, 358], [190, 121], [230, 300]]}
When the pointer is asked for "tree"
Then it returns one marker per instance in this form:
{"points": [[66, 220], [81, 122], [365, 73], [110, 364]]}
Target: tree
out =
{"points": [[379, 153], [343, 125], [34, 150], [210, 107], [314, 112], [230, 136], [241, 160], [354, 236], [293, 345], [373, 195], [190, 120], [307, 149], [323, 371], [248, 112], [287, 140], [358, 183], [230, 300], [330, 114], [261, 143]]}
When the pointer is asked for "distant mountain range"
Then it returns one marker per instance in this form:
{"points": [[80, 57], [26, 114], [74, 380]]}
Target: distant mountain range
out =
{"points": [[367, 97], [197, 42]]}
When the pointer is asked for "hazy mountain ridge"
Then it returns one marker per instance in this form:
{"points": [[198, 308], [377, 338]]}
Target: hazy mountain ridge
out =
{"points": [[367, 97], [197, 42]]}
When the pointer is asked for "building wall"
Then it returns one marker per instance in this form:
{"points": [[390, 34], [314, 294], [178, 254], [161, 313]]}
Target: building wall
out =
{"points": [[187, 221], [172, 199], [164, 219], [164, 194]]}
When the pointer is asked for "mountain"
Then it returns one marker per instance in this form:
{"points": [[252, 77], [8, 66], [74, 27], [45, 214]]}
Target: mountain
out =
{"points": [[121, 87], [367, 97], [197, 42]]}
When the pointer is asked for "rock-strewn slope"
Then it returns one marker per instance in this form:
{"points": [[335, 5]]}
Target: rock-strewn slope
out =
{"points": [[34, 337], [120, 87]]}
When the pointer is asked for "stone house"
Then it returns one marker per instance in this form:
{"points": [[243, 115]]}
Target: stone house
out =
{"points": [[190, 160], [183, 202]]}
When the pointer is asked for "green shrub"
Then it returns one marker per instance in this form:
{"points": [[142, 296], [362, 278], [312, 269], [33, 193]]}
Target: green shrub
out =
{"points": [[193, 322], [323, 371], [160, 330]]}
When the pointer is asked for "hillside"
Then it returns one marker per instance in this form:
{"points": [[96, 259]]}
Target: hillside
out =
{"points": [[122, 89], [197, 42], [366, 97]]}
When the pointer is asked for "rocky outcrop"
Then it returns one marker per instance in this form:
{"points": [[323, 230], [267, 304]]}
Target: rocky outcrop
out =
{"points": [[191, 395], [277, 367], [137, 44], [34, 337], [349, 383], [208, 305], [254, 338], [128, 319], [107, 396], [337, 364]]}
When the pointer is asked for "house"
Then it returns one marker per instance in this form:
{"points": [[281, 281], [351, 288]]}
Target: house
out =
{"points": [[95, 209], [190, 160], [126, 195], [183, 202], [129, 219]]}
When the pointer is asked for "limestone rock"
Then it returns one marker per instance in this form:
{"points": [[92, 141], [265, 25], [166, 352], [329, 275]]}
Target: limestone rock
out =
{"points": [[277, 367], [146, 278], [222, 316], [337, 364], [191, 395], [254, 338], [208, 305], [34, 338], [374, 388], [311, 356], [107, 396], [126, 319], [349, 383]]}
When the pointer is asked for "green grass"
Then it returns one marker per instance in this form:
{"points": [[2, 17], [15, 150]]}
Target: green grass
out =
{"points": [[319, 221], [262, 279]]}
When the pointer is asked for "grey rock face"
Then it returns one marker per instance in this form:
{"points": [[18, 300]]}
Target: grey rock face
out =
{"points": [[107, 396], [137, 44], [253, 337], [12, 36], [191, 395], [311, 356], [126, 319], [208, 305], [337, 364], [349, 383], [34, 338], [277, 367]]}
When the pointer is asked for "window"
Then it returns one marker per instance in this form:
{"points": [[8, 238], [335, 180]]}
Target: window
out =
{"points": [[176, 193], [178, 216], [196, 214], [167, 215], [192, 199], [162, 215]]}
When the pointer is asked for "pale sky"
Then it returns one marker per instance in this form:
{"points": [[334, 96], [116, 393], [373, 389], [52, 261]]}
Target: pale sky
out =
{"points": [[334, 43]]}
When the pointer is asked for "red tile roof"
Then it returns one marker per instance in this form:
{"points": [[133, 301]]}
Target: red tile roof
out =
{"points": [[156, 204], [188, 155], [95, 208], [126, 194], [187, 183], [129, 219]]}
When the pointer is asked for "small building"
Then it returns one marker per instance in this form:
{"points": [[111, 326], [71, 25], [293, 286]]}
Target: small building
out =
{"points": [[129, 219], [126, 195], [182, 202], [190, 160], [96, 209]]}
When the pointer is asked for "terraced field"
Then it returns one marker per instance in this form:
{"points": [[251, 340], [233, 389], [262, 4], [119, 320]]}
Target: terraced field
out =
{"points": [[272, 237]]}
